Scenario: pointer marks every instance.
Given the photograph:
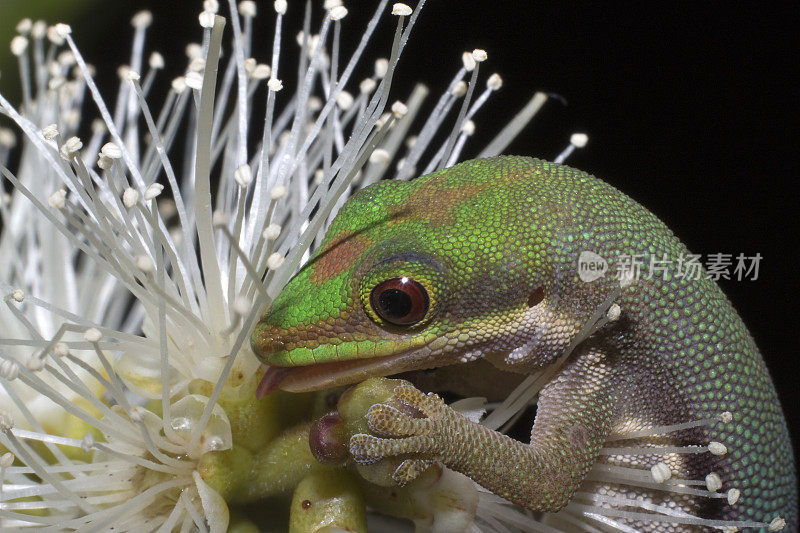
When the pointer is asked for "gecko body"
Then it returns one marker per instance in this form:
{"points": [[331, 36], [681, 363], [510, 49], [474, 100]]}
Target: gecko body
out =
{"points": [[481, 262]]}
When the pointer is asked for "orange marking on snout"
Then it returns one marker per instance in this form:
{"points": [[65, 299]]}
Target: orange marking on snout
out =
{"points": [[339, 255]]}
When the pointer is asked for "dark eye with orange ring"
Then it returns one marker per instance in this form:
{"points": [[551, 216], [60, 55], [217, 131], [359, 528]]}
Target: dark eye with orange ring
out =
{"points": [[400, 301]]}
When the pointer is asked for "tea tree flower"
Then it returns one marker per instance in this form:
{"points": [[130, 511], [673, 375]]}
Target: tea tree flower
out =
{"points": [[135, 260], [129, 283]]}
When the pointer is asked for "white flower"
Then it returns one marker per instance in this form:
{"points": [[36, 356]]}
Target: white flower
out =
{"points": [[109, 305], [131, 275]]}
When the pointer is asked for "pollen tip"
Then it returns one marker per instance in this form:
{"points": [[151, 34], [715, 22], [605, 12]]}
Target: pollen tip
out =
{"points": [[6, 422], [579, 140], [713, 482], [219, 218], [468, 128], [153, 191], [193, 51], [777, 524], [278, 192], [272, 232], [87, 443], [401, 10], [145, 264], [142, 20], [6, 460], [399, 109], [206, 19], [241, 306], [468, 59], [9, 370], [18, 45], [92, 335], [111, 150], [274, 261], [261, 72], [243, 175], [247, 8], [7, 138], [129, 197], [479, 55], [660, 472], [344, 100], [24, 26], [381, 67], [194, 80], [459, 89], [494, 82], [50, 132], [379, 155], [717, 448], [367, 85], [338, 13], [39, 29], [61, 349], [63, 29], [58, 199]]}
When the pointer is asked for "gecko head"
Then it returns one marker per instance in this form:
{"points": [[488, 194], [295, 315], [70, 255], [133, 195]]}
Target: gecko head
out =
{"points": [[410, 275]]}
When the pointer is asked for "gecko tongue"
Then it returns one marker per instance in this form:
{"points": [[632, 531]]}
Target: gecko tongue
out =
{"points": [[271, 380], [326, 375], [309, 377]]}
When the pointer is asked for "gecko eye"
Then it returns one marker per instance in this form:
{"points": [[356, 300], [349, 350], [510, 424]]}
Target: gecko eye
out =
{"points": [[403, 292], [400, 301]]}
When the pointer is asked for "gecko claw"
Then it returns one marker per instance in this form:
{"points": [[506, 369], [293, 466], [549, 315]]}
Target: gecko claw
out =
{"points": [[430, 405], [410, 469]]}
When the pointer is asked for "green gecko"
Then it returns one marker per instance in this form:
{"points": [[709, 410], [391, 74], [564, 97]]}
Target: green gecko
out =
{"points": [[480, 262]]}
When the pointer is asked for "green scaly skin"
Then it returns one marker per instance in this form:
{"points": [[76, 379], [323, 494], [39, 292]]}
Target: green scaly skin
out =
{"points": [[495, 244]]}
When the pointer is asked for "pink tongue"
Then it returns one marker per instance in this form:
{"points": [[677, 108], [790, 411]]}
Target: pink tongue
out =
{"points": [[271, 380]]}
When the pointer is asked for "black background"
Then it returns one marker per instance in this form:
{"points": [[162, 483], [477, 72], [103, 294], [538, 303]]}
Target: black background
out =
{"points": [[689, 108]]}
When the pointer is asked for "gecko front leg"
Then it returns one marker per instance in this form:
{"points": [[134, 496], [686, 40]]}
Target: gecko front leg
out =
{"points": [[574, 416]]}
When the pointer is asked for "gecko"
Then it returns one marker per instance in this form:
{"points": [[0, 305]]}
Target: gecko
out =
{"points": [[478, 264]]}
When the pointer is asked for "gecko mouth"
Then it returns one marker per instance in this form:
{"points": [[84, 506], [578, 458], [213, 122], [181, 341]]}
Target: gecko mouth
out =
{"points": [[326, 375]]}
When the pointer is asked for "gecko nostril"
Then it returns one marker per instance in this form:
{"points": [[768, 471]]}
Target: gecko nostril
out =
{"points": [[272, 346], [265, 341]]}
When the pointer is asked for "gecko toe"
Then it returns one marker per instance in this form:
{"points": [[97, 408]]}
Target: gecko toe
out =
{"points": [[387, 421], [429, 404], [367, 449]]}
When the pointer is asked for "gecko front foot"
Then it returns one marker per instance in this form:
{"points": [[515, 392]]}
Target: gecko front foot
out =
{"points": [[409, 425]]}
